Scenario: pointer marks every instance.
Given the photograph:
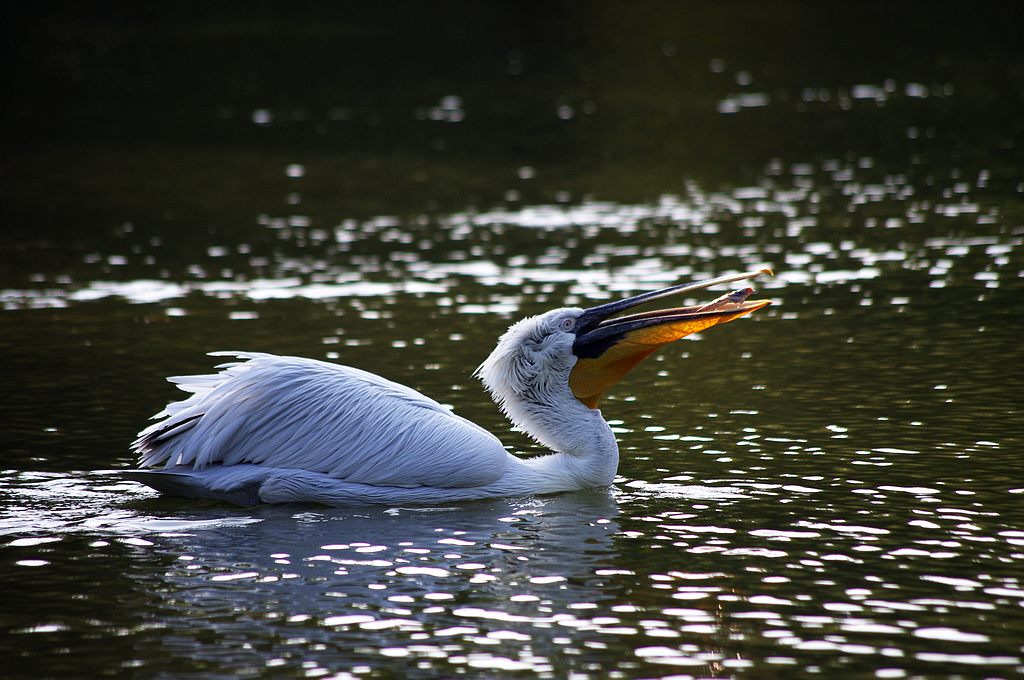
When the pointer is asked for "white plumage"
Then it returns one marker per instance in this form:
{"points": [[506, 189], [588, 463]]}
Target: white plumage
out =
{"points": [[279, 429], [310, 415]]}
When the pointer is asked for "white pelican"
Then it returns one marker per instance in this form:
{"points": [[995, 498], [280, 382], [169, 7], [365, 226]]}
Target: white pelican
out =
{"points": [[273, 429]]}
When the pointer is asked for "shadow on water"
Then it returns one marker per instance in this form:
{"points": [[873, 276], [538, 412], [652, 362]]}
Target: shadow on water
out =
{"points": [[328, 580], [674, 573]]}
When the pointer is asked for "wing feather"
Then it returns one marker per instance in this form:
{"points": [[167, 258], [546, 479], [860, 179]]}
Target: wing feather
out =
{"points": [[289, 412]]}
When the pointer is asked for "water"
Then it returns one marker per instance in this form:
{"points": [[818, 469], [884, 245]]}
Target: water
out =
{"points": [[832, 486]]}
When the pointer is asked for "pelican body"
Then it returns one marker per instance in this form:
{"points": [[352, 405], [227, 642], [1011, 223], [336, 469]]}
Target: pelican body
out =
{"points": [[277, 429]]}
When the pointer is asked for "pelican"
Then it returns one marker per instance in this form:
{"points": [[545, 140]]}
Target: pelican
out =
{"points": [[278, 429]]}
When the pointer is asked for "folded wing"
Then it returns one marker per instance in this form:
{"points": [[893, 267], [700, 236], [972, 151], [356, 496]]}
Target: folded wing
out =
{"points": [[289, 412]]}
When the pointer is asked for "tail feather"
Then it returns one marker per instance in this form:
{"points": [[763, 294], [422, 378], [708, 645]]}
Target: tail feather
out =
{"points": [[149, 437]]}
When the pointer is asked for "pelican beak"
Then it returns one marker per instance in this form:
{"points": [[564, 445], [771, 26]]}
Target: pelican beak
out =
{"points": [[608, 348]]}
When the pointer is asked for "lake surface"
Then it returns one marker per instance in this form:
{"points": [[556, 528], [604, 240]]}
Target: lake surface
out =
{"points": [[833, 486]]}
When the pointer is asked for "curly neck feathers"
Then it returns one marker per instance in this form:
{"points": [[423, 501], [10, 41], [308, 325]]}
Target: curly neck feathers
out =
{"points": [[527, 375]]}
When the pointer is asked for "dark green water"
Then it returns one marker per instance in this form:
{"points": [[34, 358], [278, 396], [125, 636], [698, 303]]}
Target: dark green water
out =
{"points": [[832, 487]]}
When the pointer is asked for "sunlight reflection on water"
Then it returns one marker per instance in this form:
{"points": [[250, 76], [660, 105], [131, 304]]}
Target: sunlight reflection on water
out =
{"points": [[607, 249], [504, 585]]}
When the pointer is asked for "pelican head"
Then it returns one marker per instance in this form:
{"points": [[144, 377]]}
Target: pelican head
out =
{"points": [[573, 355]]}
